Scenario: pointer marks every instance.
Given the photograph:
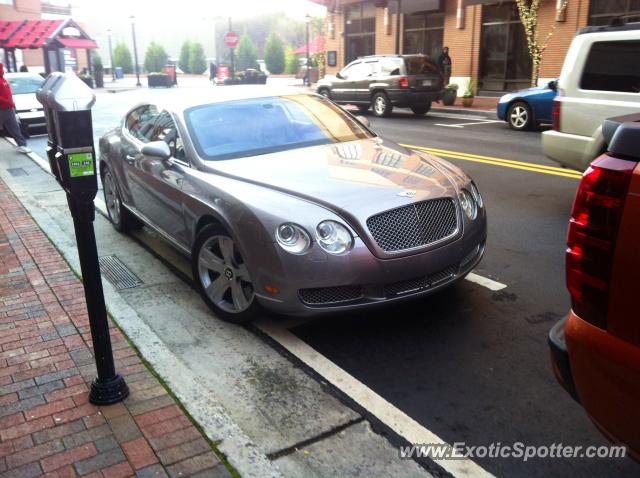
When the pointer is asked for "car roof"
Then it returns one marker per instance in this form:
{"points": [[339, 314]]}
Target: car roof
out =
{"points": [[610, 28], [189, 98], [23, 75]]}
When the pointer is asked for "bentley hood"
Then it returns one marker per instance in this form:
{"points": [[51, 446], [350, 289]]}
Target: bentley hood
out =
{"points": [[358, 178]]}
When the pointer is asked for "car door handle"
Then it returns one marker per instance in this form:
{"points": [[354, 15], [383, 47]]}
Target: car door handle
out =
{"points": [[130, 159]]}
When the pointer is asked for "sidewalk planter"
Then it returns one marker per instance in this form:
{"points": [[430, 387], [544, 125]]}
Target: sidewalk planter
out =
{"points": [[467, 101], [449, 96], [159, 80]]}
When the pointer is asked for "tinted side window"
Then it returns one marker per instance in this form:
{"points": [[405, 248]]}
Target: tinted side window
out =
{"points": [[391, 66], [140, 122], [612, 66], [165, 130]]}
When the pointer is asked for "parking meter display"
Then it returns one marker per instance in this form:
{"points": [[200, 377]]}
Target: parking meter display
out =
{"points": [[81, 164]]}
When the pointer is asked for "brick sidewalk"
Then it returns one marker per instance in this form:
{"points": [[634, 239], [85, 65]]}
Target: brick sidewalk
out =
{"points": [[47, 426]]}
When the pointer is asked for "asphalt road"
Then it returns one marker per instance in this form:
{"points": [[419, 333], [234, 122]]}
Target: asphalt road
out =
{"points": [[469, 364]]}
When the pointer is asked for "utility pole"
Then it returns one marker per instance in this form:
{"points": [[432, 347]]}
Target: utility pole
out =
{"points": [[113, 70], [135, 49]]}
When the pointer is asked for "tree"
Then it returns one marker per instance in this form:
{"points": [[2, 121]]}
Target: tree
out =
{"points": [[246, 55], [274, 54], [122, 57], [155, 58], [183, 59], [291, 64], [197, 60], [529, 16]]}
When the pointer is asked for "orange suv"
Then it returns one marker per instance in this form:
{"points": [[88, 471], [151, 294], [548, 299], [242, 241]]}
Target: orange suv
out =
{"points": [[595, 350]]}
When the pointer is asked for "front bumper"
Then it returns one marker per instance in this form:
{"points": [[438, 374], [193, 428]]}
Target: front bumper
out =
{"points": [[316, 282], [560, 359], [33, 119]]}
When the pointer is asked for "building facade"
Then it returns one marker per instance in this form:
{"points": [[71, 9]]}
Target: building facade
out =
{"points": [[18, 10], [485, 37]]}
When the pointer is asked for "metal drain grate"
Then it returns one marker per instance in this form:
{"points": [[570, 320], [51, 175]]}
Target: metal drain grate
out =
{"points": [[17, 172], [119, 275]]}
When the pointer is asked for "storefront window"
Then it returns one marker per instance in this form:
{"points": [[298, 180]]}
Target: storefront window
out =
{"points": [[423, 33], [602, 12], [504, 57], [360, 31]]}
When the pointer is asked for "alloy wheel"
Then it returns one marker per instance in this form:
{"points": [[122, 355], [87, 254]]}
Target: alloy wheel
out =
{"points": [[224, 276], [112, 199], [519, 116], [380, 105]]}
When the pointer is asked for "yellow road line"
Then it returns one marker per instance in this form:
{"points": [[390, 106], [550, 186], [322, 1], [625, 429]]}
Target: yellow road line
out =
{"points": [[507, 163]]}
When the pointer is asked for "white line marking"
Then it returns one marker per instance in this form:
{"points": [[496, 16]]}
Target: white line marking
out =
{"points": [[449, 125], [462, 125], [396, 419], [483, 281]]}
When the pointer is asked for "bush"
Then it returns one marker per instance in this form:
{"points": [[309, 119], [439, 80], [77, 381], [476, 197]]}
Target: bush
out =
{"points": [[122, 57], [246, 55], [155, 58], [197, 60], [291, 64], [183, 59], [274, 54]]}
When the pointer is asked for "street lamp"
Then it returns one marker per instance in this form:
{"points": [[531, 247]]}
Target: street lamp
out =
{"points": [[113, 70], [135, 48], [307, 20]]}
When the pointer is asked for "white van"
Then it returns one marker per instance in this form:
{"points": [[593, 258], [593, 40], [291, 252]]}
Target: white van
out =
{"points": [[600, 78]]}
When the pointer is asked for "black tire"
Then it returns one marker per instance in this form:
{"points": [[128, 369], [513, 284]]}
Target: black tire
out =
{"points": [[519, 116], [421, 110], [325, 92], [120, 216], [381, 105], [233, 299], [363, 109]]}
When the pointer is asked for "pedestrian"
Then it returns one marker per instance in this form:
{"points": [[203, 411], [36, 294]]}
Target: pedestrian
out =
{"points": [[213, 71], [8, 119], [444, 62]]}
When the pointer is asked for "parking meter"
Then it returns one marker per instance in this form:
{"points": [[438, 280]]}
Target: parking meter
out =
{"points": [[67, 102]]}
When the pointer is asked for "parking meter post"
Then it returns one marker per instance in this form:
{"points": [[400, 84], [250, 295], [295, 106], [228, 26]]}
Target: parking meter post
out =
{"points": [[69, 101]]}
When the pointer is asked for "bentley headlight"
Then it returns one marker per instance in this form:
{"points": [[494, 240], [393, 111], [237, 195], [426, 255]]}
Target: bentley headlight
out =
{"points": [[292, 238], [468, 204], [333, 237], [476, 194]]}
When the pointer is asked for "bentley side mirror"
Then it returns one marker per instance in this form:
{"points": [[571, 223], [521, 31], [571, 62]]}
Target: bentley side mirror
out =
{"points": [[364, 120], [157, 149]]}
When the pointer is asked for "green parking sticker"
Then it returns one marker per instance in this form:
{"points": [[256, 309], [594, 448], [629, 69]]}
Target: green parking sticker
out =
{"points": [[81, 164]]}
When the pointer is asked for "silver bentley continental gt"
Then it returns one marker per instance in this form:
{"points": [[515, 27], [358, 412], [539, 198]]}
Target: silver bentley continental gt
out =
{"points": [[285, 201]]}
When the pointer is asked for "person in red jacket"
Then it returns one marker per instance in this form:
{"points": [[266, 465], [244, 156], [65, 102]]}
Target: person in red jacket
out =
{"points": [[8, 114]]}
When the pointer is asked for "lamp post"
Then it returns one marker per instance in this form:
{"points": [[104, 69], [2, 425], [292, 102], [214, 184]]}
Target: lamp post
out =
{"points": [[307, 20], [135, 48], [113, 70]]}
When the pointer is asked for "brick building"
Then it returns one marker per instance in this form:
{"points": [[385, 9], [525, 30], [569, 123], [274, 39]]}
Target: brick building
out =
{"points": [[19, 10], [485, 37]]}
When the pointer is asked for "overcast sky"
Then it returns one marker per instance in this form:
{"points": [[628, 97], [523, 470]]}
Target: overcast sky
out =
{"points": [[162, 10]]}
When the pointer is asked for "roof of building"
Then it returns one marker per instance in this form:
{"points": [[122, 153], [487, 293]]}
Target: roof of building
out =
{"points": [[35, 34]]}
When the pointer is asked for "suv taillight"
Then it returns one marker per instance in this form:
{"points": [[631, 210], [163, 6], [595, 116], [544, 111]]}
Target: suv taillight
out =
{"points": [[595, 219], [404, 82], [555, 112]]}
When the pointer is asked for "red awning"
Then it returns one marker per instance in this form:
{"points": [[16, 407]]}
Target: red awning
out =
{"points": [[315, 46], [33, 34], [77, 43], [8, 28]]}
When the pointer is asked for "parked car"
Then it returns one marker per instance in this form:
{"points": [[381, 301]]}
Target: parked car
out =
{"points": [[285, 201], [383, 82], [28, 108], [596, 349], [600, 78], [527, 108]]}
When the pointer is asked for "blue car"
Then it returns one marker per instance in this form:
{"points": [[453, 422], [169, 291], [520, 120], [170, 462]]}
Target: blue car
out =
{"points": [[527, 108]]}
